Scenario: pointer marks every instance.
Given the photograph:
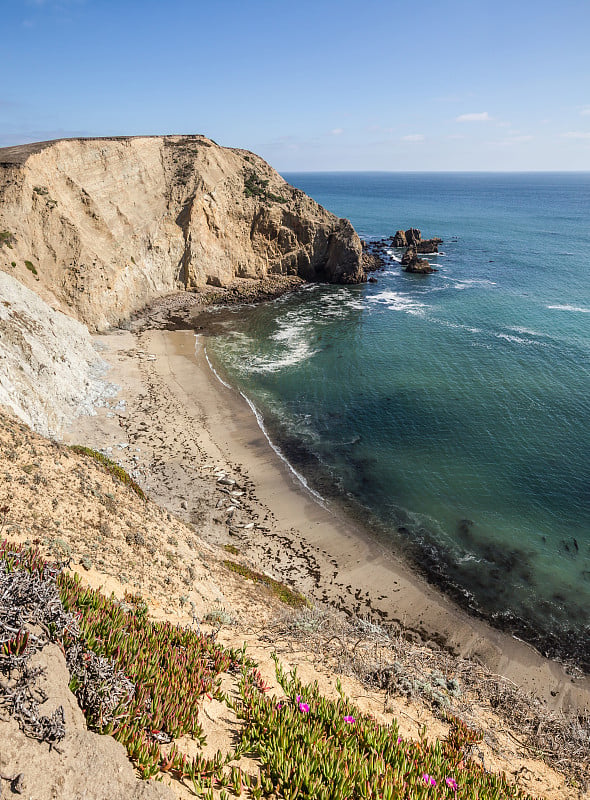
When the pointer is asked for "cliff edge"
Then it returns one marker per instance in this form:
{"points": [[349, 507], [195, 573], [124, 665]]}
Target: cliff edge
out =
{"points": [[100, 227]]}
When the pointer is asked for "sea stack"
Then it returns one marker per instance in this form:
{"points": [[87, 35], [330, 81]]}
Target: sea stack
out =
{"points": [[411, 262]]}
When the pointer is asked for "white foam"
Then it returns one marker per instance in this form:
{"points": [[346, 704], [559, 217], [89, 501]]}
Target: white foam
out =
{"points": [[525, 331], [514, 339], [579, 309], [457, 325], [470, 283], [292, 336], [396, 301]]}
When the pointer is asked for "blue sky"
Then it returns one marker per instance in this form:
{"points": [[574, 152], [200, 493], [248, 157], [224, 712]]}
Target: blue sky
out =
{"points": [[348, 85]]}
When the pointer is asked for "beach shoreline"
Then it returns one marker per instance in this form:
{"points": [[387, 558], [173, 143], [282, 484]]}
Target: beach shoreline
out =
{"points": [[180, 426]]}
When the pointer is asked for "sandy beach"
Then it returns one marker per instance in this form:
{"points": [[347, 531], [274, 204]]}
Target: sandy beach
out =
{"points": [[196, 446]]}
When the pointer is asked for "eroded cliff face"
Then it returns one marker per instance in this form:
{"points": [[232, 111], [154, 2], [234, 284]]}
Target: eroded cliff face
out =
{"points": [[99, 227]]}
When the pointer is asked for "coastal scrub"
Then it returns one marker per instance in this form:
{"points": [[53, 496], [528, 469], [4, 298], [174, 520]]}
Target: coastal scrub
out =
{"points": [[308, 746]]}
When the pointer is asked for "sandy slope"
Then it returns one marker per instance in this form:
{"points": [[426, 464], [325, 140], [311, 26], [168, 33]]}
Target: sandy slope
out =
{"points": [[69, 506]]}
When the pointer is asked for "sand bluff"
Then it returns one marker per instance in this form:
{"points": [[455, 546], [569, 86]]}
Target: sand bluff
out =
{"points": [[100, 227]]}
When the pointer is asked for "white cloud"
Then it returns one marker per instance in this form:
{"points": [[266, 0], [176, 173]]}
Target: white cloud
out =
{"points": [[482, 116], [576, 135], [509, 141], [585, 112], [414, 137], [337, 131]]}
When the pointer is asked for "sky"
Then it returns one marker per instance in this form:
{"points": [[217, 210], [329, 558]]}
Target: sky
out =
{"points": [[309, 84]]}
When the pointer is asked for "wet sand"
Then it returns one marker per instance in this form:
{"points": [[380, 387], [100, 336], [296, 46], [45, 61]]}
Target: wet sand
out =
{"points": [[186, 436]]}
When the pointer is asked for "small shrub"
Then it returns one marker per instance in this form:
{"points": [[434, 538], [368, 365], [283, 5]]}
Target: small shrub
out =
{"points": [[111, 467], [285, 595], [219, 616], [31, 267], [255, 186], [6, 238]]}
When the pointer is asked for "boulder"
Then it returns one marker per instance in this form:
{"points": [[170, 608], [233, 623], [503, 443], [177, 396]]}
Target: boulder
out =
{"points": [[399, 240]]}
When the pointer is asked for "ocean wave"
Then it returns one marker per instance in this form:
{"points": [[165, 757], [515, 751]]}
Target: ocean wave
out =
{"points": [[396, 301], [525, 331], [471, 282], [301, 352], [211, 367], [279, 453], [510, 337], [579, 309], [457, 325]]}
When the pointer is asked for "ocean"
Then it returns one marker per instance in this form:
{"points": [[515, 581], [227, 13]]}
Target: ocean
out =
{"points": [[450, 412]]}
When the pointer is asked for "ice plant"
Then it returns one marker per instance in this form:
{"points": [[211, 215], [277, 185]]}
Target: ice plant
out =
{"points": [[302, 755]]}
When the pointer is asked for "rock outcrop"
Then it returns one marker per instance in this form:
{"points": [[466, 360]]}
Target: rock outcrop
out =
{"points": [[415, 245], [83, 765], [100, 227], [428, 245], [411, 262]]}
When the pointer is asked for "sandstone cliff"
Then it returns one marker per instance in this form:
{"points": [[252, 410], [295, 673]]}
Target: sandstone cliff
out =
{"points": [[99, 227]]}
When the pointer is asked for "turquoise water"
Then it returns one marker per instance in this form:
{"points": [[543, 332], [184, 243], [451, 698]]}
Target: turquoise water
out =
{"points": [[450, 411]]}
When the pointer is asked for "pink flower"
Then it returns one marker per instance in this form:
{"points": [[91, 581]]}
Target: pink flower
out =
{"points": [[303, 707], [452, 783], [349, 719], [399, 740], [428, 779]]}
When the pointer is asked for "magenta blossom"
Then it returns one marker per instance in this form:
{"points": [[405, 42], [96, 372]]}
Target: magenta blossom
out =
{"points": [[428, 779], [452, 783], [349, 719], [303, 707]]}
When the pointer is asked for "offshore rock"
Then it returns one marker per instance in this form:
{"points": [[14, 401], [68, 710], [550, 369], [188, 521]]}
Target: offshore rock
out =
{"points": [[399, 240], [428, 245], [101, 227], [413, 236], [411, 262]]}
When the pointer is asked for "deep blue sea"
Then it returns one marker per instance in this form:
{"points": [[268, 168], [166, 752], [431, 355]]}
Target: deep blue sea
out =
{"points": [[451, 412]]}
